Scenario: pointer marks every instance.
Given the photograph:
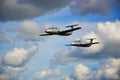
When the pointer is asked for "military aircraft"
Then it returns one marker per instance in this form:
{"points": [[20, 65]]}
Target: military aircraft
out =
{"points": [[79, 44], [56, 31]]}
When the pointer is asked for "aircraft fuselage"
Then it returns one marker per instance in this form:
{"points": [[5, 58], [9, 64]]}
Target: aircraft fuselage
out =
{"points": [[61, 32], [84, 45], [81, 45]]}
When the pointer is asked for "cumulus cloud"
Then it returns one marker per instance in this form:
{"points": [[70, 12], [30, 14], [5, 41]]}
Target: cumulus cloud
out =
{"points": [[19, 56], [12, 62], [110, 31], [110, 48], [83, 7], [29, 31], [107, 71], [109, 34], [76, 54], [94, 48], [81, 72], [12, 65], [25, 9], [51, 74], [11, 73], [111, 68], [106, 54]]}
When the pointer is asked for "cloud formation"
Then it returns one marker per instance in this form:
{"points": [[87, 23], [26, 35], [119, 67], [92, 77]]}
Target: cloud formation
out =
{"points": [[18, 56], [12, 73], [83, 7], [80, 72], [107, 34], [24, 9], [12, 65], [94, 48], [27, 9], [76, 54], [110, 31], [107, 71], [29, 31], [51, 74], [106, 55]]}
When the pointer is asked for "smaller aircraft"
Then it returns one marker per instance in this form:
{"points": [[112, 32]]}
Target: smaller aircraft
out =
{"points": [[79, 44], [56, 31]]}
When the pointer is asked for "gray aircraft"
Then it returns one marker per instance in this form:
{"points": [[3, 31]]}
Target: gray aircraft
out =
{"points": [[56, 31], [79, 44]]}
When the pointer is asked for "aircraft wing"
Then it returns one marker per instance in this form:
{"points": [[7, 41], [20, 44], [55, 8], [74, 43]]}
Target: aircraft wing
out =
{"points": [[65, 31], [70, 30], [44, 34]]}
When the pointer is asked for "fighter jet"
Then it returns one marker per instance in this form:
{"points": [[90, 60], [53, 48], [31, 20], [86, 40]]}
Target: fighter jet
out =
{"points": [[79, 44], [56, 31]]}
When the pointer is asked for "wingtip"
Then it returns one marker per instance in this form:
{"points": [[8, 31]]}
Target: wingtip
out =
{"points": [[67, 45], [40, 35]]}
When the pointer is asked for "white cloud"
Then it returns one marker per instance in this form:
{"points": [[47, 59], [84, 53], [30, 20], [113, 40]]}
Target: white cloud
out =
{"points": [[29, 27], [110, 31], [29, 31], [18, 56], [108, 70], [52, 74], [81, 72], [108, 47], [13, 67], [94, 48], [12, 73], [74, 54]]}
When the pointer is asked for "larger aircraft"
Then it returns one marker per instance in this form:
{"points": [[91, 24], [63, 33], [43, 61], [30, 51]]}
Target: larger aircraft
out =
{"points": [[56, 31], [79, 44]]}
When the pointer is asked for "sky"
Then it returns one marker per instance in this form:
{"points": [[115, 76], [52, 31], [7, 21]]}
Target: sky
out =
{"points": [[24, 55]]}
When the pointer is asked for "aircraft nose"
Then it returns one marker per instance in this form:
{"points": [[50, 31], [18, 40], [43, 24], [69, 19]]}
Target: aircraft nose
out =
{"points": [[79, 27], [45, 30]]}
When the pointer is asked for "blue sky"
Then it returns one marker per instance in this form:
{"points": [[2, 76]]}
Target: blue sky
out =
{"points": [[28, 56]]}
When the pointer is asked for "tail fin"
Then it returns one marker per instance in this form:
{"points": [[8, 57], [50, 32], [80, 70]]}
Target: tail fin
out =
{"points": [[91, 39]]}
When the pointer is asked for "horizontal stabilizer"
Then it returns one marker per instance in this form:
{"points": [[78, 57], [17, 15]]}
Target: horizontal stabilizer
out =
{"points": [[91, 38]]}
